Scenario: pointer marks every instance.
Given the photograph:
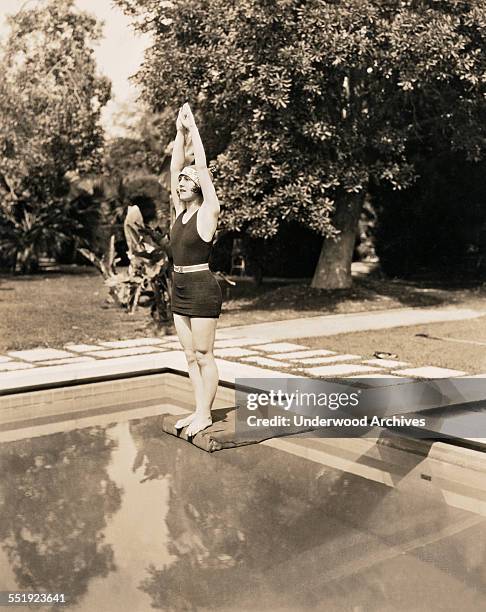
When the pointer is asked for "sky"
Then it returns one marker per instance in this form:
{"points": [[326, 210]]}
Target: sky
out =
{"points": [[118, 55]]}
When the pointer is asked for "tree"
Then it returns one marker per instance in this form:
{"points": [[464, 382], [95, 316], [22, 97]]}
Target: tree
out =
{"points": [[308, 103], [438, 226], [141, 148], [50, 103], [137, 164]]}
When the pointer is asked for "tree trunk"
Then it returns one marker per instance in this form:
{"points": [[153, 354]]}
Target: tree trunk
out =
{"points": [[333, 270]]}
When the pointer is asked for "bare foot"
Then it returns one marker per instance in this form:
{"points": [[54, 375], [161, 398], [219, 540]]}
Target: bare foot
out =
{"points": [[198, 424], [181, 423]]}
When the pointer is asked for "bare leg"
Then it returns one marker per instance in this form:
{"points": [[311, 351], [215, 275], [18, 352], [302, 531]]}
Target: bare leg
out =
{"points": [[203, 333], [184, 333]]}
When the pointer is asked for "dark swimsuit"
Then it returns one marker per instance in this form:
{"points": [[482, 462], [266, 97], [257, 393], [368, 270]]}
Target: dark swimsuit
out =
{"points": [[194, 294]]}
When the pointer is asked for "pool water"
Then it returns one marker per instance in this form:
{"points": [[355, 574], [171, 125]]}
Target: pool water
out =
{"points": [[122, 517]]}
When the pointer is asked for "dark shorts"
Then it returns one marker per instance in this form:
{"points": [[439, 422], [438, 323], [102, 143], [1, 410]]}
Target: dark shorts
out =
{"points": [[196, 294]]}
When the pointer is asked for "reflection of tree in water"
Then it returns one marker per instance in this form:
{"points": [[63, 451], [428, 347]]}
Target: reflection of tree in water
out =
{"points": [[55, 498], [233, 517]]}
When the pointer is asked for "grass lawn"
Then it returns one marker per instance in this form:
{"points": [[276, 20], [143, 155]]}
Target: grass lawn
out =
{"points": [[418, 351], [57, 308], [54, 309]]}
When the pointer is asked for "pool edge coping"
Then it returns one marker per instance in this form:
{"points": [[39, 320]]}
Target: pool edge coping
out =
{"points": [[52, 377]]}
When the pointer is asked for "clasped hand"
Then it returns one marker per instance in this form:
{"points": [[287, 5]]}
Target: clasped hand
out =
{"points": [[185, 118]]}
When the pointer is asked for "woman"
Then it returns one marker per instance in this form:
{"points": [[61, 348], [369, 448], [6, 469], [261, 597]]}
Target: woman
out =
{"points": [[196, 295]]}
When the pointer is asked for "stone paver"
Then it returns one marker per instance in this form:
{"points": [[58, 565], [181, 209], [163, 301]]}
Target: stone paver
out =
{"points": [[324, 360], [239, 342], [234, 352], [339, 369], [132, 342], [79, 359], [380, 380], [265, 361], [40, 354], [169, 338], [172, 346], [82, 348], [15, 365], [126, 352], [430, 372], [301, 354], [279, 347], [387, 363], [376, 381]]}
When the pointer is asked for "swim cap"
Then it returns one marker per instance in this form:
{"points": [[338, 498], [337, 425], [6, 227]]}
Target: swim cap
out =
{"points": [[191, 172]]}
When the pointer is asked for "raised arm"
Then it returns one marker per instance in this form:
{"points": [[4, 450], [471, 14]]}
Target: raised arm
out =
{"points": [[209, 211], [176, 164]]}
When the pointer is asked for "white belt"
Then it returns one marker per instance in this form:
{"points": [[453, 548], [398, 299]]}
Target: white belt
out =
{"points": [[195, 268]]}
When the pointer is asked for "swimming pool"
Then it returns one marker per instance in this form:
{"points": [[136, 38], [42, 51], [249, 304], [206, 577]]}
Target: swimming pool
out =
{"points": [[118, 515]]}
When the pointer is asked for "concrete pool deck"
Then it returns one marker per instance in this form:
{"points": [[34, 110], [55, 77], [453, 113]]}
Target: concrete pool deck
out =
{"points": [[261, 350], [331, 325]]}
